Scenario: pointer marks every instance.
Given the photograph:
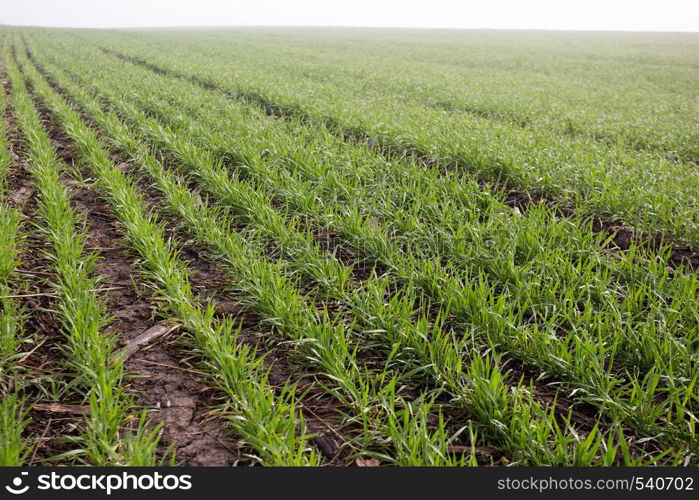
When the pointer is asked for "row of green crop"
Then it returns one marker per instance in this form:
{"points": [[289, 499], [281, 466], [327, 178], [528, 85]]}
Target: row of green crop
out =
{"points": [[89, 350], [13, 449], [683, 389], [531, 80], [643, 189]]}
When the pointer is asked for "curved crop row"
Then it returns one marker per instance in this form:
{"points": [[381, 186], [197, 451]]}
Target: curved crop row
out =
{"points": [[641, 189]]}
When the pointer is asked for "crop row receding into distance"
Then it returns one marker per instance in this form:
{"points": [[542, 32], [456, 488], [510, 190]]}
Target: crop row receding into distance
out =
{"points": [[644, 189], [404, 311]]}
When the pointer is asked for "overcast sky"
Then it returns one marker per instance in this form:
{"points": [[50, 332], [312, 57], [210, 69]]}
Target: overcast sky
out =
{"points": [[657, 15]]}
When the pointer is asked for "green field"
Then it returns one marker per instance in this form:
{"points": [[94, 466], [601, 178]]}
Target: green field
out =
{"points": [[349, 247]]}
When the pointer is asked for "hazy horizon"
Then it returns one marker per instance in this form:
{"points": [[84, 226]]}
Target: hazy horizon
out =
{"points": [[538, 15], [328, 26]]}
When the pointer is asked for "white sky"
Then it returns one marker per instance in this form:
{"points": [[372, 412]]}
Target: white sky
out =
{"points": [[641, 15]]}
